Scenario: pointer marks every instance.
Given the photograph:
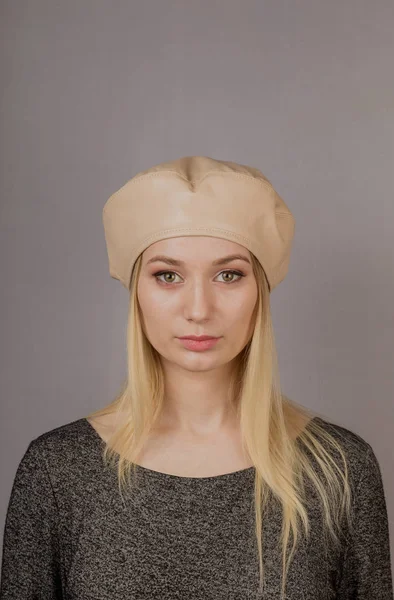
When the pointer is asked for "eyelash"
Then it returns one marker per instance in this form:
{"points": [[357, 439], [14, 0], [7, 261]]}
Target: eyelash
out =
{"points": [[156, 275]]}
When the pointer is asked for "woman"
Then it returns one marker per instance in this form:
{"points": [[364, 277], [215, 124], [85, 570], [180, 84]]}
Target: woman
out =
{"points": [[201, 479]]}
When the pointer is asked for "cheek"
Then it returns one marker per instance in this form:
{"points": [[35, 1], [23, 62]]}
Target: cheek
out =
{"points": [[155, 312], [147, 297], [242, 307], [154, 300], [243, 314], [157, 309], [239, 320]]}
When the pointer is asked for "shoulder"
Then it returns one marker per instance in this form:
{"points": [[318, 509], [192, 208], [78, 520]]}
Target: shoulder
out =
{"points": [[52, 487], [360, 456], [67, 436], [60, 450], [349, 438]]}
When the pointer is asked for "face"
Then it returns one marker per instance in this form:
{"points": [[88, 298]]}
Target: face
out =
{"points": [[197, 297]]}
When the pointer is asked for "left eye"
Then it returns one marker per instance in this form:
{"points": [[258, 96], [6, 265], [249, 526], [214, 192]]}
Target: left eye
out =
{"points": [[157, 275]]}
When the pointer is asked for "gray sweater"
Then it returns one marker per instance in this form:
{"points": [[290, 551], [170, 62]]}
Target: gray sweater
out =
{"points": [[68, 535]]}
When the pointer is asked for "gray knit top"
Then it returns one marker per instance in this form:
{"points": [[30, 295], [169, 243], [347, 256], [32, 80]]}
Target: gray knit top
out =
{"points": [[68, 535]]}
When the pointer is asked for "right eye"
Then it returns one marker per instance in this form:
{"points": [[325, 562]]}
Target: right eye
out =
{"points": [[157, 275]]}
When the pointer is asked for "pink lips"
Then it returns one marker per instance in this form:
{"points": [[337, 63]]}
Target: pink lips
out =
{"points": [[199, 343], [198, 338]]}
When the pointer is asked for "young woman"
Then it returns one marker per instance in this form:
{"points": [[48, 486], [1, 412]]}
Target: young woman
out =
{"points": [[201, 479]]}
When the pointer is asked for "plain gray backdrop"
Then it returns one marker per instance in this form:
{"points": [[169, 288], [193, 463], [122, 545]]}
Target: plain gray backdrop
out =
{"points": [[94, 91]]}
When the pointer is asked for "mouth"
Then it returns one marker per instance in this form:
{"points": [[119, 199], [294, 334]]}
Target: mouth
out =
{"points": [[199, 338], [199, 345]]}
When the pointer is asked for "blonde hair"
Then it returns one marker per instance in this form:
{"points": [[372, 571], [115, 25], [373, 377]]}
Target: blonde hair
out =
{"points": [[269, 422]]}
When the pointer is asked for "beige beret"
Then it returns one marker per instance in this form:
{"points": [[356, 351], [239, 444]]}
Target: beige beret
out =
{"points": [[198, 195]]}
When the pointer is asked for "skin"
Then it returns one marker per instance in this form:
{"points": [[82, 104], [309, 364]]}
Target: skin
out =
{"points": [[197, 433], [197, 298]]}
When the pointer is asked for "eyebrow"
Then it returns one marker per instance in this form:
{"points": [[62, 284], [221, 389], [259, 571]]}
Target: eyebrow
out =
{"points": [[180, 263]]}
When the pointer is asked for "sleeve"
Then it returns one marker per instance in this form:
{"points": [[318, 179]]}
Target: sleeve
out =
{"points": [[366, 567], [30, 560]]}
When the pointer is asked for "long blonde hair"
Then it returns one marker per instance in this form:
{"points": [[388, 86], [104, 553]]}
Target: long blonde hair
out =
{"points": [[269, 422]]}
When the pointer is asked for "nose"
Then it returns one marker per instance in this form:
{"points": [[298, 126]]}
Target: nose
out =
{"points": [[198, 301]]}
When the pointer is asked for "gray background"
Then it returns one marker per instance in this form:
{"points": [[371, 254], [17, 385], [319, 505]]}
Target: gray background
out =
{"points": [[95, 91]]}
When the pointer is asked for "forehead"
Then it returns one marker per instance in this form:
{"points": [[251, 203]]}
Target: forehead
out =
{"points": [[195, 249]]}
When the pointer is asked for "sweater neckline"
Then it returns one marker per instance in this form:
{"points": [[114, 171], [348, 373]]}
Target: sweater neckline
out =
{"points": [[168, 476]]}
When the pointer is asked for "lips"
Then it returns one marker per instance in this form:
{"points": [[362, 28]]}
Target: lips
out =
{"points": [[198, 338], [199, 345]]}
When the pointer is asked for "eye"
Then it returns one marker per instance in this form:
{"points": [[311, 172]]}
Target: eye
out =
{"points": [[237, 273]]}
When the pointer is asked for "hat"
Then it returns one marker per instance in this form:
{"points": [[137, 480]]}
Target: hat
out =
{"points": [[198, 196]]}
